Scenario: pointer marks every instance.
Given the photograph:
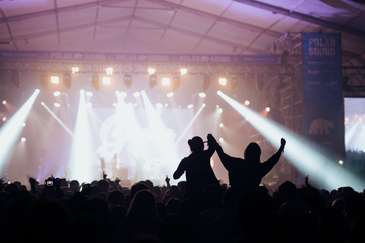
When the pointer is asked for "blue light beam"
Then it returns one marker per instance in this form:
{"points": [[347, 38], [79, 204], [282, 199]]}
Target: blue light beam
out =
{"points": [[309, 161], [10, 132]]}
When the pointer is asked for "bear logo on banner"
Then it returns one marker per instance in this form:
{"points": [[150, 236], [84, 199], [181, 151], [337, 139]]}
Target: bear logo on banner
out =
{"points": [[318, 126]]}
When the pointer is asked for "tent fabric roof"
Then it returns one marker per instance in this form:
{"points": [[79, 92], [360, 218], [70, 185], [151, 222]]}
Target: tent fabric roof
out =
{"points": [[177, 26]]}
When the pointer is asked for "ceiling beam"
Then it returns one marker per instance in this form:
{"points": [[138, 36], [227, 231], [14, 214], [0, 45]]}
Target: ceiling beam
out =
{"points": [[218, 18], [304, 17], [71, 8], [67, 29], [199, 35]]}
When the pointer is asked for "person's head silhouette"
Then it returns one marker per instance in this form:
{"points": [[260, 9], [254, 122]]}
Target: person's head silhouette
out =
{"points": [[196, 144], [253, 152]]}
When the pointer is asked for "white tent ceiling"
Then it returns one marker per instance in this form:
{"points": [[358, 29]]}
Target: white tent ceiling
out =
{"points": [[177, 26]]}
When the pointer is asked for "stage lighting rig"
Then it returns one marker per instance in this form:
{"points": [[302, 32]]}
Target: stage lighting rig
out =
{"points": [[183, 71], [75, 69], [151, 71]]}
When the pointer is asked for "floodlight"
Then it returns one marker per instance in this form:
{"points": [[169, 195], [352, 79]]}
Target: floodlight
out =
{"points": [[4, 102], [222, 81], [183, 71], [267, 109], [221, 140], [4, 118], [106, 80], [23, 124], [151, 71], [221, 125], [109, 70], [75, 69], [128, 80], [57, 93], [190, 106], [340, 162], [55, 79], [220, 110], [202, 95], [95, 82], [89, 93], [247, 102], [165, 81], [56, 104], [159, 106], [170, 94], [23, 139]]}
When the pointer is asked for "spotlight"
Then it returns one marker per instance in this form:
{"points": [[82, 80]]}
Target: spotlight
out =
{"points": [[183, 71], [220, 110], [159, 106], [260, 82], [204, 105], [109, 70], [340, 162], [23, 139], [165, 81], [206, 82], [233, 82], [222, 81], [57, 93], [67, 80], [23, 124], [75, 69], [55, 79], [88, 105], [106, 80], [56, 104], [4, 118], [136, 94], [170, 94], [175, 83], [267, 109], [202, 95], [44, 80], [247, 102], [151, 71], [88, 93], [4, 102], [15, 79], [190, 106], [153, 80], [95, 82], [221, 125], [128, 80], [221, 140]]}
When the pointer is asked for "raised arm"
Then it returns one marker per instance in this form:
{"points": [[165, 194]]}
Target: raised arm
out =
{"points": [[180, 169], [270, 163]]}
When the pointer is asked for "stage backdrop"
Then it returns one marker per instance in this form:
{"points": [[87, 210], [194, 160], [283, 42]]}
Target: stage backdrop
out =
{"points": [[322, 89]]}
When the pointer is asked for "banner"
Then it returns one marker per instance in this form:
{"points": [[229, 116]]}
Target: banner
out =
{"points": [[136, 58], [322, 89]]}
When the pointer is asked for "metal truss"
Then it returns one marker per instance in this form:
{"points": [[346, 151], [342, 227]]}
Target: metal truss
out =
{"points": [[142, 68], [353, 81]]}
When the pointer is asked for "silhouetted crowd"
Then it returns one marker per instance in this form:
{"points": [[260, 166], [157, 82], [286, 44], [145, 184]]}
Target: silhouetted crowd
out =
{"points": [[195, 210]]}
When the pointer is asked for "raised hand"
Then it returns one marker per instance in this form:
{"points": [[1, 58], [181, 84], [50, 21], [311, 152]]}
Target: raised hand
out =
{"points": [[104, 175], [117, 180]]}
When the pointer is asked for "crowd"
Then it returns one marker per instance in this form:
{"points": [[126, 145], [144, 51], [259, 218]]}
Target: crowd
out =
{"points": [[196, 210]]}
